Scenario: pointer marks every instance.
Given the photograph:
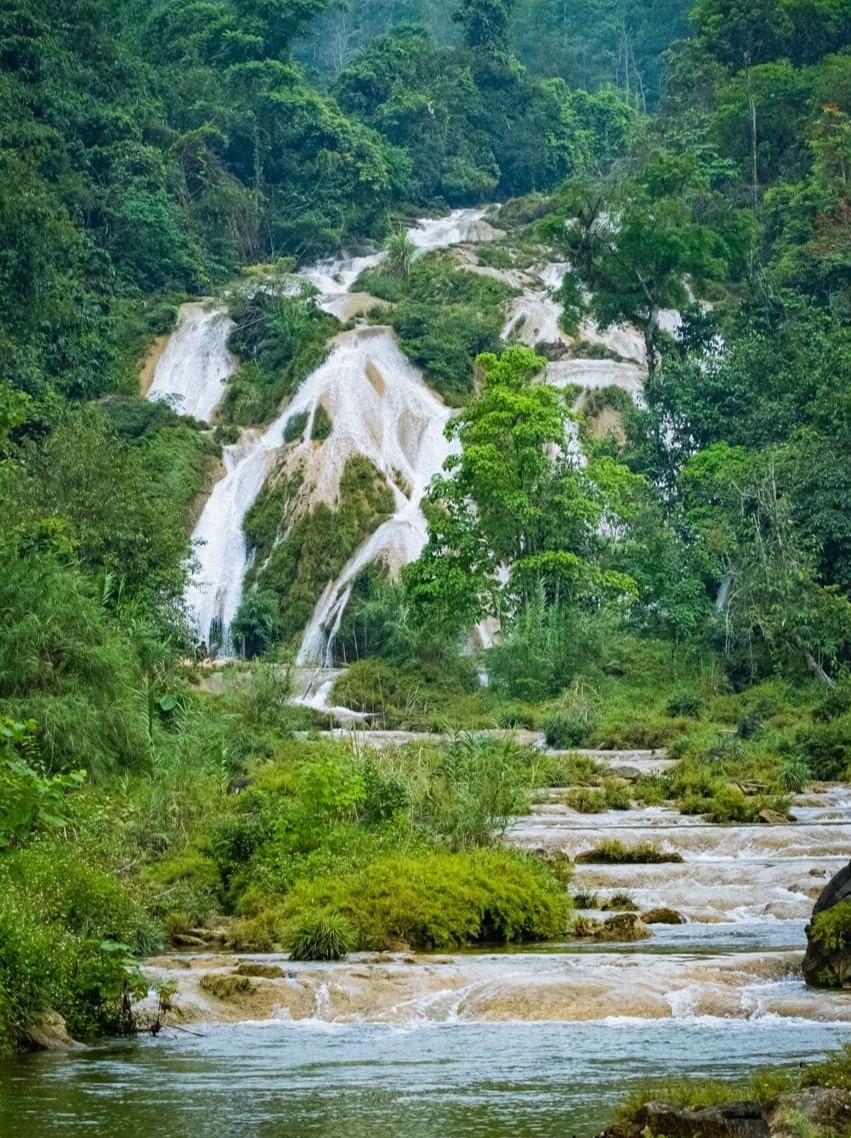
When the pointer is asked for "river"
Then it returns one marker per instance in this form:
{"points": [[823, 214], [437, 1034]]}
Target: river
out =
{"points": [[538, 1042]]}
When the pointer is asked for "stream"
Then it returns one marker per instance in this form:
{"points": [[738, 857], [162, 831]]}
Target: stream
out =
{"points": [[532, 1042]]}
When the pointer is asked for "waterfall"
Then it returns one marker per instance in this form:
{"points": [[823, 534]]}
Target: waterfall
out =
{"points": [[193, 371], [379, 406]]}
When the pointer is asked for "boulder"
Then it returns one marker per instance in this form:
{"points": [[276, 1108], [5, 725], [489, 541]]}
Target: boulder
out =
{"points": [[628, 774], [822, 1106], [663, 916], [49, 1033], [731, 1120], [772, 817], [623, 927], [830, 967]]}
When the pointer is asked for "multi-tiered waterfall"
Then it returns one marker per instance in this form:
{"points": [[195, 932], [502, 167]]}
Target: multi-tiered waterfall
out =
{"points": [[379, 406]]}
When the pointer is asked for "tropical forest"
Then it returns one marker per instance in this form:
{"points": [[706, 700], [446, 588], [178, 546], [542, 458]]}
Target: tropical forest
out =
{"points": [[425, 568]]}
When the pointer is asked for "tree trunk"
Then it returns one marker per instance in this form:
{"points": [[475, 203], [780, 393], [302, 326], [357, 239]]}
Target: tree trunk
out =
{"points": [[651, 337]]}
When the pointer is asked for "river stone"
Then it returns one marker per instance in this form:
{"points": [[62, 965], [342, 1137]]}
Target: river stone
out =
{"points": [[624, 927], [663, 916], [731, 1120], [822, 1106], [628, 774], [772, 817], [829, 969], [257, 968], [49, 1033]]}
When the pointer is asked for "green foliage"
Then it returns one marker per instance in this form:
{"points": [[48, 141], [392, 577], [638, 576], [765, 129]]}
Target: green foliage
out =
{"points": [[830, 930], [296, 558], [439, 900], [445, 318], [281, 337], [31, 801], [322, 936], [67, 929], [613, 852]]}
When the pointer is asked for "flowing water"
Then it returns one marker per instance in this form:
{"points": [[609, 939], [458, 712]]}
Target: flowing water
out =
{"points": [[195, 366], [380, 408], [540, 1042]]}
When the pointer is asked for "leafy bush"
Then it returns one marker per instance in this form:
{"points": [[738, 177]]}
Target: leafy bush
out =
{"points": [[322, 936], [684, 705], [585, 800], [30, 799], [566, 730], [830, 929], [66, 932]]}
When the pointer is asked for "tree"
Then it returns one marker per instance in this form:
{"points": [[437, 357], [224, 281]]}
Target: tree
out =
{"points": [[486, 24], [514, 513], [641, 248]]}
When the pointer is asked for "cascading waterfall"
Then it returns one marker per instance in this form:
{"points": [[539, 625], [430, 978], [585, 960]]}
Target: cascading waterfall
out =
{"points": [[379, 406], [194, 368]]}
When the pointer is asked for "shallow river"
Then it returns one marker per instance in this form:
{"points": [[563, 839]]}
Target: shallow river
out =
{"points": [[536, 1043]]}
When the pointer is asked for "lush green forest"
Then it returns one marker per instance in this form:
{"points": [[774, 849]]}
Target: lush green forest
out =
{"points": [[688, 582]]}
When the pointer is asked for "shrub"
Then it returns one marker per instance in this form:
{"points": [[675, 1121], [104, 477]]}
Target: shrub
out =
{"points": [[618, 794], [66, 931], [566, 730], [437, 900], [613, 852], [827, 747], [295, 427], [322, 936], [620, 902], [830, 930], [684, 705], [585, 800]]}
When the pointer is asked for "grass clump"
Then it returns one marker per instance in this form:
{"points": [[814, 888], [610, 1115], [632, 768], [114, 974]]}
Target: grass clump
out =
{"points": [[613, 852], [620, 903], [322, 936], [435, 900]]}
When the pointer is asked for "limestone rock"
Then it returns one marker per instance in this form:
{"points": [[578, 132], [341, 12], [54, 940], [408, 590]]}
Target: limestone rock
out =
{"points": [[823, 967], [772, 817], [731, 1120], [628, 774], [49, 1033], [623, 927], [663, 916]]}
